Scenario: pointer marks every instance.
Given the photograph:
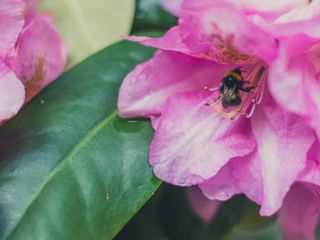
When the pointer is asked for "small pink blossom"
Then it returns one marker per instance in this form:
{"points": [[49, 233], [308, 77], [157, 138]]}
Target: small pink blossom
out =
{"points": [[171, 6], [32, 54], [299, 214], [204, 208], [261, 147]]}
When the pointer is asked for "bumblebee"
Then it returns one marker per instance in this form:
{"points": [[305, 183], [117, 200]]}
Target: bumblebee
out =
{"points": [[231, 85]]}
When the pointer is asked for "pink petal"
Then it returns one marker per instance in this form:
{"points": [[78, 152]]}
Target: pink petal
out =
{"points": [[170, 41], [299, 214], [283, 142], [146, 88], [172, 6], [204, 208], [11, 23], [31, 9], [298, 28], [271, 5], [209, 27], [32, 4], [304, 12], [221, 186], [293, 79], [272, 10], [41, 55], [155, 120], [247, 176], [11, 93], [192, 142], [311, 173]]}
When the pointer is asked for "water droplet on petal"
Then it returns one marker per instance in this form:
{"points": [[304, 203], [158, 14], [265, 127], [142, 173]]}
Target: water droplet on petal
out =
{"points": [[133, 80], [142, 78]]}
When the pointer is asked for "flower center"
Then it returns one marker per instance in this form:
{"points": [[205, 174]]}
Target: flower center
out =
{"points": [[227, 53], [240, 91]]}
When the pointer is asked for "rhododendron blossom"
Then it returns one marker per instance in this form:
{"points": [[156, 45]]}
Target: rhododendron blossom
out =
{"points": [[32, 54], [202, 207], [262, 145], [172, 6]]}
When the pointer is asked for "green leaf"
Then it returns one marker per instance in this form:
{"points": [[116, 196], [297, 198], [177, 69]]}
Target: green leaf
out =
{"points": [[70, 167], [169, 216], [268, 232], [88, 26], [149, 15], [146, 224]]}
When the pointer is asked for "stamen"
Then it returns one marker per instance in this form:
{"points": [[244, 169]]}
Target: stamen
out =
{"points": [[210, 89], [249, 114]]}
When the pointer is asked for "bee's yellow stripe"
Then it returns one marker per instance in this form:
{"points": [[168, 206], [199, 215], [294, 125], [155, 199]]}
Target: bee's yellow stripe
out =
{"points": [[234, 75]]}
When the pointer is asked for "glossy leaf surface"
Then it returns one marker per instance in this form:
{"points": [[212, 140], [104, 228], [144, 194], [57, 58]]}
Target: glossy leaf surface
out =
{"points": [[150, 15], [70, 167]]}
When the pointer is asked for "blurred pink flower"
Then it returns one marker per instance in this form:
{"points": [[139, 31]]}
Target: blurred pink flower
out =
{"points": [[204, 208], [259, 147], [299, 214], [171, 6], [32, 54]]}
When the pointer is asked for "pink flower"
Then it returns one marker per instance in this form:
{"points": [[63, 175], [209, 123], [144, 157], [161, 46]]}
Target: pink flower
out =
{"points": [[258, 137], [32, 54], [299, 214], [204, 208], [171, 6]]}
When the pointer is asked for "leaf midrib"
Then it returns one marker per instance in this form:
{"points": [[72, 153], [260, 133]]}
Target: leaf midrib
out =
{"points": [[68, 158]]}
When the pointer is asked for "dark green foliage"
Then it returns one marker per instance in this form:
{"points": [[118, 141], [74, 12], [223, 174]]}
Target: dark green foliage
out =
{"points": [[70, 167], [150, 16]]}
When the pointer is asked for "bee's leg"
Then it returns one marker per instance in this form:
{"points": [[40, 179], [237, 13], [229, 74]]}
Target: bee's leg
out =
{"points": [[248, 89], [212, 101], [207, 104], [216, 99]]}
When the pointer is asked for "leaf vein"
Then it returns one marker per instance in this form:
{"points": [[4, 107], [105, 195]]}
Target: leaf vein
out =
{"points": [[64, 161]]}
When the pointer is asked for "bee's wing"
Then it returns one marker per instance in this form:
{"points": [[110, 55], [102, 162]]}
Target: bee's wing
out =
{"points": [[228, 94]]}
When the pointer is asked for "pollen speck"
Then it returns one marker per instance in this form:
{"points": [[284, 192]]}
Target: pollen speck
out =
{"points": [[107, 195]]}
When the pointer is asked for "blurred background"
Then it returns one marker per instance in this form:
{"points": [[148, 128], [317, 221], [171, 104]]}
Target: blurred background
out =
{"points": [[88, 26]]}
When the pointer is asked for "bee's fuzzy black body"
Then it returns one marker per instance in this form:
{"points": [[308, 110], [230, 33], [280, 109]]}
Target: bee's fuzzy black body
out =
{"points": [[230, 88]]}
